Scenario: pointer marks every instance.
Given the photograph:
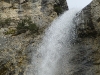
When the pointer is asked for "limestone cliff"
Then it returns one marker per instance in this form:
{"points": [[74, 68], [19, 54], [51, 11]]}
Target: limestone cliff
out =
{"points": [[41, 11], [16, 49], [88, 40]]}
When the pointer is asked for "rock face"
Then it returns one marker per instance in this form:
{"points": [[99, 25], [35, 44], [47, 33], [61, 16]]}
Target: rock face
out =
{"points": [[41, 11], [16, 50], [88, 40]]}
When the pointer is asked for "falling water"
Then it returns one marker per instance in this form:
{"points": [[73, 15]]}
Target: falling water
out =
{"points": [[54, 51]]}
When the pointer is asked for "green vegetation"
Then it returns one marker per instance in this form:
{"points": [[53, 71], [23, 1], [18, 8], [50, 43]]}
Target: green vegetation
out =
{"points": [[5, 22], [58, 9], [21, 28], [10, 31], [25, 25]]}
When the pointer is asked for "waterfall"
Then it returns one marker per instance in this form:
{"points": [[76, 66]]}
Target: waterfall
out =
{"points": [[54, 51]]}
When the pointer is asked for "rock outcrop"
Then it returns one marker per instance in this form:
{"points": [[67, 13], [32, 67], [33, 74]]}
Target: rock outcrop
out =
{"points": [[16, 49], [88, 40], [41, 11]]}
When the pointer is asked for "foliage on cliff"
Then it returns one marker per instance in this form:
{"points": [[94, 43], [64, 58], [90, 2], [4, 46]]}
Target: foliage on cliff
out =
{"points": [[25, 25]]}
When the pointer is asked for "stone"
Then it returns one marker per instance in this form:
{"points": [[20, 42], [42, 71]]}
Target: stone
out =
{"points": [[16, 50], [88, 37], [42, 12]]}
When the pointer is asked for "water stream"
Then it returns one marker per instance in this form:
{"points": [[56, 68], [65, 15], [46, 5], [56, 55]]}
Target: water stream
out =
{"points": [[55, 50]]}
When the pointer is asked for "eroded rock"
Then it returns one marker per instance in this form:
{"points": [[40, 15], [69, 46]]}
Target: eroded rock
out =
{"points": [[88, 40]]}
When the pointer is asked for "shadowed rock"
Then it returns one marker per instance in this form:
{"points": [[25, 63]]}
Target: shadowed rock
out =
{"points": [[88, 40]]}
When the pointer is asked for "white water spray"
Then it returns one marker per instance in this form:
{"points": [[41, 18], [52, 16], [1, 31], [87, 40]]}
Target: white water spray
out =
{"points": [[55, 48]]}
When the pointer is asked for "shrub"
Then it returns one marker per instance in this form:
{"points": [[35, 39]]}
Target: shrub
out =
{"points": [[5, 22], [58, 9], [8, 21], [25, 25], [11, 31], [33, 28], [21, 28]]}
